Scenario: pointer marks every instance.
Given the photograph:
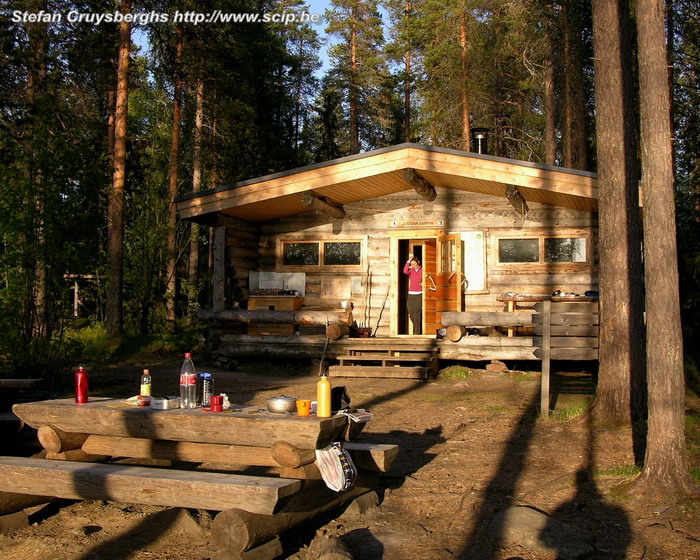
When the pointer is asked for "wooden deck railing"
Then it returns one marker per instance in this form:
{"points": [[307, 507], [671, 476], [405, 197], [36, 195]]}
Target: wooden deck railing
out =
{"points": [[563, 331]]}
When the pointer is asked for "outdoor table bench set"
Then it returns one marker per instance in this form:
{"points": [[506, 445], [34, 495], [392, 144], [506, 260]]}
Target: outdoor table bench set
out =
{"points": [[85, 445]]}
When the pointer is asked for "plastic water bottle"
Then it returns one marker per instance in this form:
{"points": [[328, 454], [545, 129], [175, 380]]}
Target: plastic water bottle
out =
{"points": [[188, 383], [145, 384]]}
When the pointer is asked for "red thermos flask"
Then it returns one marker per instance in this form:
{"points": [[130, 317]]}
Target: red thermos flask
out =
{"points": [[81, 385]]}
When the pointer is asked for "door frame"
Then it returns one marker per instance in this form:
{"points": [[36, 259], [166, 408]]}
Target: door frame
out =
{"points": [[396, 268]]}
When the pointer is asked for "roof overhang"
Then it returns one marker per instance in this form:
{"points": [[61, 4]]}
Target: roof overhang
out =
{"points": [[381, 172]]}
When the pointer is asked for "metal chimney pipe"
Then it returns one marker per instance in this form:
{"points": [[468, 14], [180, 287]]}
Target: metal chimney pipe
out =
{"points": [[480, 140]]}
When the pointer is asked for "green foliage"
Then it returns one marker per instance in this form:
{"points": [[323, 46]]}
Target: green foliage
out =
{"points": [[566, 411], [457, 372]]}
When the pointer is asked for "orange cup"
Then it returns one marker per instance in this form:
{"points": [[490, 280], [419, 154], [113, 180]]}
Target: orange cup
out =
{"points": [[304, 407]]}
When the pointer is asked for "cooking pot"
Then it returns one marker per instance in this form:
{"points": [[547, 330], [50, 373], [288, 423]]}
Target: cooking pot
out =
{"points": [[281, 404]]}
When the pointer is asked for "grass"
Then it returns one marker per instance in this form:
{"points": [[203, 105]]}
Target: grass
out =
{"points": [[569, 411], [457, 372]]}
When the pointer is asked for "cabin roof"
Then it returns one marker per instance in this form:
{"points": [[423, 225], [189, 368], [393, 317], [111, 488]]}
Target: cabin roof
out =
{"points": [[380, 173]]}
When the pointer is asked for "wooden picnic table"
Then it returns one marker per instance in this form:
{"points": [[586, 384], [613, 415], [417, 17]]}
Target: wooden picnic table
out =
{"points": [[111, 417], [88, 441]]}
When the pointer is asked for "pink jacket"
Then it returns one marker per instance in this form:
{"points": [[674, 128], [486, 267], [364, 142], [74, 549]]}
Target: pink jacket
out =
{"points": [[415, 278]]}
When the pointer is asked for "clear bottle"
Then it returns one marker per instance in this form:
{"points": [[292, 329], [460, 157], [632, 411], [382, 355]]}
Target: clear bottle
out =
{"points": [[188, 383], [145, 384], [323, 397]]}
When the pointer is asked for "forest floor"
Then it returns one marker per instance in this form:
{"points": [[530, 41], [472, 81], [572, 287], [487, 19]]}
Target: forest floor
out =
{"points": [[469, 449]]}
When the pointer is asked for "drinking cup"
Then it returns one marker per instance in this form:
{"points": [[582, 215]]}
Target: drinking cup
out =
{"points": [[216, 402], [304, 407]]}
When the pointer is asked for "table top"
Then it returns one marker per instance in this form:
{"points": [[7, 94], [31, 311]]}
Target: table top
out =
{"points": [[545, 297], [106, 416]]}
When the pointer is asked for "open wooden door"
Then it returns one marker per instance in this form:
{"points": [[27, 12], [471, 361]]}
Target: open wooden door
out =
{"points": [[449, 277], [430, 298]]}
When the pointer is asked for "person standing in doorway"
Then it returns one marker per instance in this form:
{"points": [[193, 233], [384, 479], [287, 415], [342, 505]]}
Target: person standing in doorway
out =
{"points": [[414, 303]]}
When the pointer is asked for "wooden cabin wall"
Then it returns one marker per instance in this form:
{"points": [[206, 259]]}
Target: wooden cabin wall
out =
{"points": [[370, 220], [242, 256]]}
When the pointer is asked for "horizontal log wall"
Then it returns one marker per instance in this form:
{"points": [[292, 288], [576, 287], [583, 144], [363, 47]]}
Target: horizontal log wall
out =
{"points": [[253, 246]]}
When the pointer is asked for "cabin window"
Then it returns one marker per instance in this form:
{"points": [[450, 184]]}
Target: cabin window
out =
{"points": [[333, 255], [518, 250], [564, 249], [301, 254], [346, 253], [543, 249]]}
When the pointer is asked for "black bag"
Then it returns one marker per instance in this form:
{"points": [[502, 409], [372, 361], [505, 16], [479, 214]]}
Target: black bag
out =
{"points": [[340, 399]]}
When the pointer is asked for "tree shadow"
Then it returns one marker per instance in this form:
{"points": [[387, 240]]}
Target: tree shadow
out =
{"points": [[485, 539], [148, 531], [607, 525]]}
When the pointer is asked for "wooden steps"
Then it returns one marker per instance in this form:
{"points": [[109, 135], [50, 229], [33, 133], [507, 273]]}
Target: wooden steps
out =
{"points": [[392, 360]]}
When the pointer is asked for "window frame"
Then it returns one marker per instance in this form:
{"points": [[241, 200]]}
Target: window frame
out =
{"points": [[320, 267], [541, 236]]}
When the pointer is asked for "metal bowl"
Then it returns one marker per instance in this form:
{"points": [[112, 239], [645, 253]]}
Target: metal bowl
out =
{"points": [[281, 404]]}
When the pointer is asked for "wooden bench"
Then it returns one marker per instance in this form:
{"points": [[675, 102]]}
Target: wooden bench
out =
{"points": [[144, 485]]}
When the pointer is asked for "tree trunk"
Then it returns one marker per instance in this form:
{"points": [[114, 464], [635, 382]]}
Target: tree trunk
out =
{"points": [[407, 83], [464, 58], [193, 276], [620, 393], [665, 471], [115, 210], [574, 137], [173, 180], [550, 105], [353, 100]]}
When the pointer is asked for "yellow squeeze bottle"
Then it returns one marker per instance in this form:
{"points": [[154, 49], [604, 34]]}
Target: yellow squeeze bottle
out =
{"points": [[323, 397]]}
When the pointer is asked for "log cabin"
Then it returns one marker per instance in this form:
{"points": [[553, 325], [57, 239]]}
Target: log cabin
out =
{"points": [[329, 241]]}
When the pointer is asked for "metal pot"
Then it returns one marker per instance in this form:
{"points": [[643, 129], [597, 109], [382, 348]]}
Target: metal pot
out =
{"points": [[281, 404], [345, 304]]}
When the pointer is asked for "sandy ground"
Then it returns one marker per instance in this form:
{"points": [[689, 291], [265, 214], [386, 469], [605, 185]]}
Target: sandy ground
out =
{"points": [[470, 448]]}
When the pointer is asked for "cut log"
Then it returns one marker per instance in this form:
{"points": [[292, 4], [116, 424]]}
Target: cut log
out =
{"points": [[362, 505], [260, 429], [76, 455], [12, 522], [336, 332], [11, 502], [328, 548], [56, 441], [322, 205], [487, 318], [456, 332], [420, 184], [305, 472], [20, 383], [376, 457], [180, 450], [142, 485], [239, 530], [248, 316], [267, 551], [287, 455]]}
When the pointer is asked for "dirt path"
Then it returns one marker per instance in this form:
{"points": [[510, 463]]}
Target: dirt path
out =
{"points": [[470, 448]]}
